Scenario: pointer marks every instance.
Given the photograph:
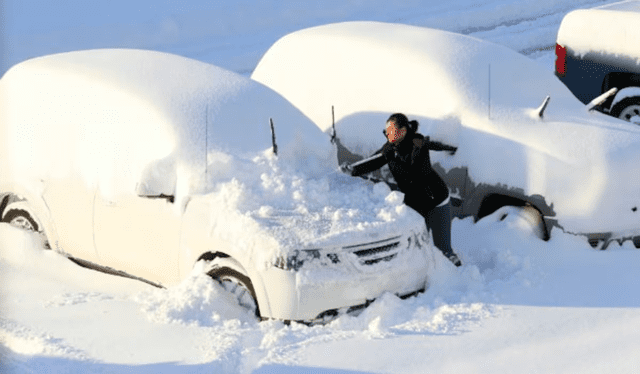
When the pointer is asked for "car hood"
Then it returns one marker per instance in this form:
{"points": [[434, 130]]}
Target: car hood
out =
{"points": [[270, 210]]}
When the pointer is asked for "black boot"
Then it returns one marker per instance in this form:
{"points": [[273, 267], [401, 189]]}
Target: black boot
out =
{"points": [[454, 259]]}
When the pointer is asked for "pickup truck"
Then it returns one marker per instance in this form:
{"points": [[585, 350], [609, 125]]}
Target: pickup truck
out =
{"points": [[598, 49]]}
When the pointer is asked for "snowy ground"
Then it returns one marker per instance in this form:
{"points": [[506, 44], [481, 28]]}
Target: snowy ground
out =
{"points": [[518, 304]]}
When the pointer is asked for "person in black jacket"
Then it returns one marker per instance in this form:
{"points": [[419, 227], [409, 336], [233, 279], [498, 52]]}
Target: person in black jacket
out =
{"points": [[407, 153]]}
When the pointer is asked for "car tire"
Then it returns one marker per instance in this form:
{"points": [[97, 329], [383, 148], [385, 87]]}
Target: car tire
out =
{"points": [[626, 108], [20, 218], [528, 215], [236, 283]]}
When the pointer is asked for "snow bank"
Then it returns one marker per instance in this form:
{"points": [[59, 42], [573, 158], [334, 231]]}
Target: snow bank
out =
{"points": [[609, 29], [198, 300]]}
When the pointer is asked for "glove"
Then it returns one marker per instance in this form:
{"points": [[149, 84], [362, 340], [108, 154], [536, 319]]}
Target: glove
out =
{"points": [[346, 168]]}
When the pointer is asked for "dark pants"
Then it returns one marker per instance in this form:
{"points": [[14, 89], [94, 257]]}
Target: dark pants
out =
{"points": [[438, 222]]}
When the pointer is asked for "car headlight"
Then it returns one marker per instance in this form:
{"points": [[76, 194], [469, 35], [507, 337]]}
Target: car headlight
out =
{"points": [[419, 239], [297, 258]]}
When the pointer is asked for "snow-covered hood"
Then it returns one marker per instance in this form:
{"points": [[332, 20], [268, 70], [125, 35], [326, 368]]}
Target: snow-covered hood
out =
{"points": [[265, 204]]}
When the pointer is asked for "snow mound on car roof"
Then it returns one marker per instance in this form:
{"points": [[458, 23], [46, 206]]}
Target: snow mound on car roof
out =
{"points": [[612, 29], [401, 68], [100, 110]]}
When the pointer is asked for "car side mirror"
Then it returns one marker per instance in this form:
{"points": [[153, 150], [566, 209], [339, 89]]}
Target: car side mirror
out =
{"points": [[601, 99], [158, 181]]}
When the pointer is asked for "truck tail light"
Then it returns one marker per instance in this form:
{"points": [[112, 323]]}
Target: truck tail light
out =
{"points": [[561, 60]]}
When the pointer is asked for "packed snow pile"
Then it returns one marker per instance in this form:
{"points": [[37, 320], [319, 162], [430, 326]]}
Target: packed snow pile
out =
{"points": [[610, 29]]}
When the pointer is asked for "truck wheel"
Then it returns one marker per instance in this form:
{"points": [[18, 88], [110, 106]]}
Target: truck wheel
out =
{"points": [[626, 108], [236, 283]]}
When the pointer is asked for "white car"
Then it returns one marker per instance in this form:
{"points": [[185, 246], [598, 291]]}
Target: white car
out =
{"points": [[148, 163], [523, 139]]}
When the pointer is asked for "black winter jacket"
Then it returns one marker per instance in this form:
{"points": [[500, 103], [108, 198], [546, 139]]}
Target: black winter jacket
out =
{"points": [[410, 166]]}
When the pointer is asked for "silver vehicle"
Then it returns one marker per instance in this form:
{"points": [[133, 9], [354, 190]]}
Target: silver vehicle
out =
{"points": [[525, 143]]}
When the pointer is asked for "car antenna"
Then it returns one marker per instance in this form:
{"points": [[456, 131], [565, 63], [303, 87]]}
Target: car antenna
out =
{"points": [[273, 137], [489, 96], [333, 126], [542, 107], [206, 141]]}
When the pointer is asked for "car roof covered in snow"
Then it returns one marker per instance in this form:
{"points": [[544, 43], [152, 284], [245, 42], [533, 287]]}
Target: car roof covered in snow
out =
{"points": [[139, 106], [368, 70], [185, 94], [402, 68], [612, 29]]}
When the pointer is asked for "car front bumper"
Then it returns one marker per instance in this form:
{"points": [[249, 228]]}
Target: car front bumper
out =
{"points": [[315, 291]]}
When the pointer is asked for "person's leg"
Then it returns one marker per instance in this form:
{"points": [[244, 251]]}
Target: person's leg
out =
{"points": [[439, 223]]}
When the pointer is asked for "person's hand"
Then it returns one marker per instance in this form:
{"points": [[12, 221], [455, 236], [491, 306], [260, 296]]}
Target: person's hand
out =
{"points": [[346, 168]]}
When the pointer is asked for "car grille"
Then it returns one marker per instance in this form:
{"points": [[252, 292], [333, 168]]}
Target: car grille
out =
{"points": [[375, 252]]}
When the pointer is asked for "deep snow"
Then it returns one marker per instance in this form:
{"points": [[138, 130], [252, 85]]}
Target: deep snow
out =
{"points": [[518, 304]]}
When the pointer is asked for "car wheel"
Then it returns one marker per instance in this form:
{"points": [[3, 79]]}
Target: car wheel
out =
{"points": [[236, 283], [627, 108], [527, 216], [22, 219]]}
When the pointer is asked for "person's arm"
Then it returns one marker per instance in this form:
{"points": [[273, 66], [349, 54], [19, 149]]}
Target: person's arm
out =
{"points": [[367, 165], [437, 146]]}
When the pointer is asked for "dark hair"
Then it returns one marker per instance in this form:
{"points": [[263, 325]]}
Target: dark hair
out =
{"points": [[402, 121]]}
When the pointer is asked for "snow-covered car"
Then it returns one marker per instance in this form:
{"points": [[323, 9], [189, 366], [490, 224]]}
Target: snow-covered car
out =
{"points": [[148, 164], [525, 143], [598, 49]]}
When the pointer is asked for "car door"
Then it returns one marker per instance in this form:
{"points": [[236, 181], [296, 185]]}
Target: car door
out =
{"points": [[138, 234], [70, 202]]}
